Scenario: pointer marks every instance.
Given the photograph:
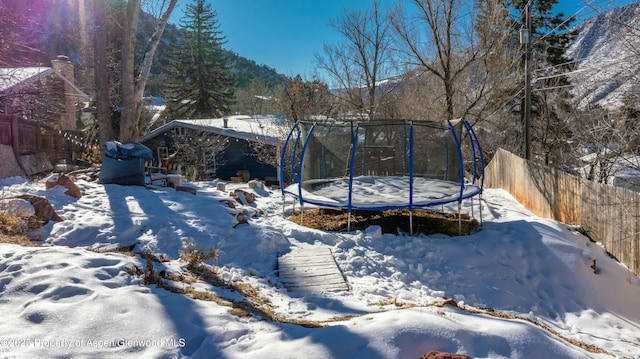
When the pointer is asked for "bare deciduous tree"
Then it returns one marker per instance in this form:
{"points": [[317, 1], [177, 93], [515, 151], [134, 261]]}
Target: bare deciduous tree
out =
{"points": [[257, 98], [436, 37], [132, 86], [358, 65], [301, 99]]}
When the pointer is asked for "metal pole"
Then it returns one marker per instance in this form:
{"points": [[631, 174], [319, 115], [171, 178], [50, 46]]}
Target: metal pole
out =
{"points": [[460, 218], [471, 207], [411, 223], [480, 203]]}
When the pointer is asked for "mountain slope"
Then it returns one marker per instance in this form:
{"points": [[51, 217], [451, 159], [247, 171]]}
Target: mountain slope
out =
{"points": [[246, 70], [606, 50]]}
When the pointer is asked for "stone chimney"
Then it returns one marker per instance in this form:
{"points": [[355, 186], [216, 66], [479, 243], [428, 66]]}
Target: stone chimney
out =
{"points": [[65, 67]]}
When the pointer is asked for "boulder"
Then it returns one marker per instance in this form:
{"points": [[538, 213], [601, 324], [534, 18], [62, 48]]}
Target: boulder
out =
{"points": [[18, 207], [65, 181], [44, 210]]}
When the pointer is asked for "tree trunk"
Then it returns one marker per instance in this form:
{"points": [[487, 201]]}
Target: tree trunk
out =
{"points": [[128, 121], [103, 115], [141, 81], [133, 88]]}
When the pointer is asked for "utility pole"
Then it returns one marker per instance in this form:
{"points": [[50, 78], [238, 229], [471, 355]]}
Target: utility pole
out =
{"points": [[527, 86]]}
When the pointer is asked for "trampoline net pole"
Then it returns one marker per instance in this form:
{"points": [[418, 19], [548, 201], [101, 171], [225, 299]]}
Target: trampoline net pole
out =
{"points": [[349, 222], [301, 213], [459, 218], [472, 207], [480, 207], [411, 223]]}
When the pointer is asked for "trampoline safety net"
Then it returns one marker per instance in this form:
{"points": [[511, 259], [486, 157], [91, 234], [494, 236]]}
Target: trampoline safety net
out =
{"points": [[318, 153]]}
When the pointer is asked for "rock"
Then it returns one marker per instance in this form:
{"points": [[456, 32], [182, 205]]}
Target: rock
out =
{"points": [[241, 217], [18, 207], [244, 197], [229, 203], [63, 180], [186, 189], [44, 210], [255, 183]]}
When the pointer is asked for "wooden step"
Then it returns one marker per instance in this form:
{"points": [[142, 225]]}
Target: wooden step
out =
{"points": [[311, 270]]}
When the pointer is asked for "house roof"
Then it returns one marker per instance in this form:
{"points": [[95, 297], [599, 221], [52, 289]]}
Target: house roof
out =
{"points": [[11, 78], [266, 129]]}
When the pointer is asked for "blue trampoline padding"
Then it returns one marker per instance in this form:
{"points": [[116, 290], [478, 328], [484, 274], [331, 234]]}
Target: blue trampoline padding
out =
{"points": [[381, 192]]}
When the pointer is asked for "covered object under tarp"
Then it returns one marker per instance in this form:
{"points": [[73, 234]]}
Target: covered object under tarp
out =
{"points": [[124, 163]]}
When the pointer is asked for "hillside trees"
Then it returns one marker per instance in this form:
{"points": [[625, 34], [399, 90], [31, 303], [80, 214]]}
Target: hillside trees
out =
{"points": [[201, 82], [12, 46], [32, 33], [364, 59]]}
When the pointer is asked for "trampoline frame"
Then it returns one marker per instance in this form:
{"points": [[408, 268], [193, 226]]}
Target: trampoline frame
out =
{"points": [[477, 175]]}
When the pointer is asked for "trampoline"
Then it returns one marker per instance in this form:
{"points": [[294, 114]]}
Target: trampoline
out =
{"points": [[381, 164]]}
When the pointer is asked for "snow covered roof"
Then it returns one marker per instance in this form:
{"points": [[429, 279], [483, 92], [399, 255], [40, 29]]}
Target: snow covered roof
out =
{"points": [[12, 77], [263, 128]]}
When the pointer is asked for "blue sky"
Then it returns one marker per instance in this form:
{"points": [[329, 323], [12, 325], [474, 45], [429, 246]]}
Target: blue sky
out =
{"points": [[285, 34], [282, 34]]}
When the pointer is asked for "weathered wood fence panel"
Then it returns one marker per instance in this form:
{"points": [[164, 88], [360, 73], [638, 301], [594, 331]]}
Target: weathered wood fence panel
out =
{"points": [[610, 215], [30, 137]]}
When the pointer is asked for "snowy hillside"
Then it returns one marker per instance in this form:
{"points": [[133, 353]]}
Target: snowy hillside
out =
{"points": [[521, 287], [607, 50]]}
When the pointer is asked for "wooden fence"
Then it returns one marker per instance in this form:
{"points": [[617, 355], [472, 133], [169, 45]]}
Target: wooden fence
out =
{"points": [[30, 137], [608, 214]]}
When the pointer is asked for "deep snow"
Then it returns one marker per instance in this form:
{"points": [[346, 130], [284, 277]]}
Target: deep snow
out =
{"points": [[62, 300]]}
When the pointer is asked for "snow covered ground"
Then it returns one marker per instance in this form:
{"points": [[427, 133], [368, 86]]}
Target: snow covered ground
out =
{"points": [[532, 274]]}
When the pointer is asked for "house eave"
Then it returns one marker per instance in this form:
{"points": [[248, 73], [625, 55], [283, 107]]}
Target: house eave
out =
{"points": [[227, 132]]}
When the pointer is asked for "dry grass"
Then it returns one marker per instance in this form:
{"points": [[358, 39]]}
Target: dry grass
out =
{"points": [[18, 239], [195, 257], [502, 315], [257, 305], [15, 230], [390, 221]]}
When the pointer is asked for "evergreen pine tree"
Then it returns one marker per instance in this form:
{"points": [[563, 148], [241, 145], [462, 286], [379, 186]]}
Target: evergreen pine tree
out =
{"points": [[551, 106], [202, 83]]}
